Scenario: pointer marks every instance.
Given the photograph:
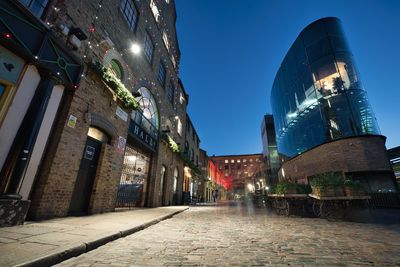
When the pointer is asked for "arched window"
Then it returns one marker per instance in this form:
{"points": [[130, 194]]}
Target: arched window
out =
{"points": [[148, 106], [116, 69]]}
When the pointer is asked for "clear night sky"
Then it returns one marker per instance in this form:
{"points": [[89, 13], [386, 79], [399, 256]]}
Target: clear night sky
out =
{"points": [[231, 51]]}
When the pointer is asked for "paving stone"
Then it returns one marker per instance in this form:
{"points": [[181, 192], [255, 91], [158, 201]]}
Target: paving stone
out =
{"points": [[233, 236]]}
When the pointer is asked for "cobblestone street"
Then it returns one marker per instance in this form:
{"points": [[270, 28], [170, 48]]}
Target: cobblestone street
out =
{"points": [[243, 236]]}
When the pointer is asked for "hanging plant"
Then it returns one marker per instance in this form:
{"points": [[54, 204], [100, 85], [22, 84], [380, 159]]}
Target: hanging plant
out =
{"points": [[171, 143], [116, 85]]}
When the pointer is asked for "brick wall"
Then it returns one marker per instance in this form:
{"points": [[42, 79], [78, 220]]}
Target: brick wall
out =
{"points": [[355, 154]]}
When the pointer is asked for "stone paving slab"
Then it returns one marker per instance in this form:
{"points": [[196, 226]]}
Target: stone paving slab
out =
{"points": [[241, 236], [49, 242]]}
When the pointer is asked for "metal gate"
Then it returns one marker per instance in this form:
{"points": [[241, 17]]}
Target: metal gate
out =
{"points": [[132, 186]]}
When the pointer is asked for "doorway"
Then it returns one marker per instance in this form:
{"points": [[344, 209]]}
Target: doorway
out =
{"points": [[87, 172]]}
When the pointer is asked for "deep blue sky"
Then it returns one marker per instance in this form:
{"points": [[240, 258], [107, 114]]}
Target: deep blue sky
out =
{"points": [[231, 51]]}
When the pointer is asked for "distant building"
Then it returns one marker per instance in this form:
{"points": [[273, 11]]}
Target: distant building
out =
{"points": [[245, 171], [270, 151], [322, 116], [204, 184]]}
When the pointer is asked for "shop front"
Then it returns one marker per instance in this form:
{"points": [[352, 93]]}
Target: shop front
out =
{"points": [[141, 145]]}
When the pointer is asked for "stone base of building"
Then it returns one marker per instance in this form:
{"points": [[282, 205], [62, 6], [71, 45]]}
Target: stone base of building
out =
{"points": [[13, 211], [363, 158]]}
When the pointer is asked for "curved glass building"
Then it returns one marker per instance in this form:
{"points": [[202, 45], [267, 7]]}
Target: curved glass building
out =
{"points": [[317, 95]]}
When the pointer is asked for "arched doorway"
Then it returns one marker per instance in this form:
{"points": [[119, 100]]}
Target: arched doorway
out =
{"points": [[87, 171]]}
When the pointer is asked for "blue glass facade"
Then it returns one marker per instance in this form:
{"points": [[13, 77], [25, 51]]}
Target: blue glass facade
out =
{"points": [[317, 95]]}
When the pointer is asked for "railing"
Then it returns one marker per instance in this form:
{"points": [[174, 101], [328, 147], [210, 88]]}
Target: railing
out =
{"points": [[385, 200]]}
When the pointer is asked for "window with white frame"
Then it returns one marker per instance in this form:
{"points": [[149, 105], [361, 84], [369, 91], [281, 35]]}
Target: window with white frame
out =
{"points": [[165, 39], [181, 98], [179, 127], [130, 13], [155, 11]]}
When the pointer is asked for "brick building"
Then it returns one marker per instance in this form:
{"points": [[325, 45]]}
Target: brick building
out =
{"points": [[116, 137], [246, 171]]}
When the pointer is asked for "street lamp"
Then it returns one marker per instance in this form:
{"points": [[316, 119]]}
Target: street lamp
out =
{"points": [[135, 48]]}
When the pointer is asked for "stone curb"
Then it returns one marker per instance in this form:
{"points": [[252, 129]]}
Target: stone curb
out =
{"points": [[75, 251]]}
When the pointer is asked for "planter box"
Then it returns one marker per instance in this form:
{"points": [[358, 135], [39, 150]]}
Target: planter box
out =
{"points": [[348, 191], [13, 212], [291, 191], [328, 192]]}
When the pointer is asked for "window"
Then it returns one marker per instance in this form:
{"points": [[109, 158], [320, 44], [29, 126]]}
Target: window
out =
{"points": [[232, 161], [170, 93], [179, 127], [181, 98], [148, 47], [173, 61], [148, 106], [130, 13], [244, 160], [161, 74], [155, 11], [226, 161], [238, 161], [165, 39], [35, 6]]}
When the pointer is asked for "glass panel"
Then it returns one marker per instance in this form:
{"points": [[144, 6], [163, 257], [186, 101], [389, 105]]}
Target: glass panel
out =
{"points": [[135, 172], [98, 135], [149, 109], [313, 33], [318, 50]]}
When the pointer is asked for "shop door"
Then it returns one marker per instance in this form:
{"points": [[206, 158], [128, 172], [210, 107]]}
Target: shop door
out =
{"points": [[84, 181], [133, 183]]}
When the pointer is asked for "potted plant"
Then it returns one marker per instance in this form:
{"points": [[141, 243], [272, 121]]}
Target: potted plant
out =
{"points": [[326, 185], [348, 187], [285, 187]]}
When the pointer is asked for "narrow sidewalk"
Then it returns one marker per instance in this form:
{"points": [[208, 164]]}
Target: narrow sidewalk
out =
{"points": [[48, 242]]}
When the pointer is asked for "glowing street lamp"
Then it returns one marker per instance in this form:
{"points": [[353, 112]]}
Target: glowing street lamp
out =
{"points": [[135, 48]]}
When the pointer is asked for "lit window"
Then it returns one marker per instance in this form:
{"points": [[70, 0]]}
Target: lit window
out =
{"points": [[179, 126], [148, 106], [148, 47], [35, 6], [173, 61], [161, 74], [251, 160], [226, 161], [232, 161], [170, 93], [165, 39], [130, 13], [155, 11], [238, 161], [244, 160]]}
